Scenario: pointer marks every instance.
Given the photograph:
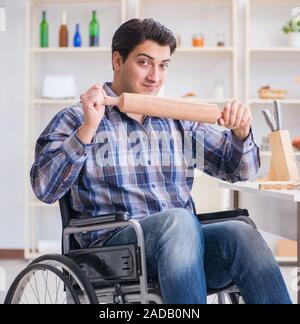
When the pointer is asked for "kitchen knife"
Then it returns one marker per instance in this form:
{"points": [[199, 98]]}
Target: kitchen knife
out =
{"points": [[270, 120], [278, 114]]}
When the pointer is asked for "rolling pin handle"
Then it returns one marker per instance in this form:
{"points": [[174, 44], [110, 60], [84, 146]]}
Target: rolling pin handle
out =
{"points": [[111, 101]]}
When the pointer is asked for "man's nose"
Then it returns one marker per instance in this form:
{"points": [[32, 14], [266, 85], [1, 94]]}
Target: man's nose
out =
{"points": [[154, 75]]}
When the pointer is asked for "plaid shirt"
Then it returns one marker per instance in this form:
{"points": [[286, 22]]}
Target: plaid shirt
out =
{"points": [[108, 176]]}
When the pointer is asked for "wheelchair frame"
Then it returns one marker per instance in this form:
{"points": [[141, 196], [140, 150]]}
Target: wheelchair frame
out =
{"points": [[116, 291]]}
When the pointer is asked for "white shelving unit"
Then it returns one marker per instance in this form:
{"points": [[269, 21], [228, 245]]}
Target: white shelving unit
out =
{"points": [[271, 61], [198, 68], [87, 65], [192, 69]]}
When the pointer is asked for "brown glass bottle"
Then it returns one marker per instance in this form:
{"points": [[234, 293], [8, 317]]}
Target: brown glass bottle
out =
{"points": [[63, 32]]}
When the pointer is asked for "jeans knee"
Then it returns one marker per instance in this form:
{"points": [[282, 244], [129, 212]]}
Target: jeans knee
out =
{"points": [[240, 233], [180, 226], [243, 238], [181, 237], [181, 220]]}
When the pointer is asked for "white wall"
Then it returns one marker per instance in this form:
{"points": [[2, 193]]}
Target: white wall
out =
{"points": [[12, 94], [12, 80]]}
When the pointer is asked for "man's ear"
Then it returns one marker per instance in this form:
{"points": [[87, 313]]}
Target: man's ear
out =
{"points": [[117, 61]]}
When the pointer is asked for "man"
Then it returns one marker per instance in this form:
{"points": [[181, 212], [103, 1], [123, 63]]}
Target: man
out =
{"points": [[81, 151]]}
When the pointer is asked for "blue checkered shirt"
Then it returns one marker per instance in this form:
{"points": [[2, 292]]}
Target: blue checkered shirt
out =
{"points": [[102, 180]]}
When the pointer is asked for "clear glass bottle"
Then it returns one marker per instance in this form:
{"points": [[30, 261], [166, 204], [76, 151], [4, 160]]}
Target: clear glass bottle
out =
{"points": [[219, 92], [220, 40]]}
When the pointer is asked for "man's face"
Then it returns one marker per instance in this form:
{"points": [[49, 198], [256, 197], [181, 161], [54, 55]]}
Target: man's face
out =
{"points": [[145, 69]]}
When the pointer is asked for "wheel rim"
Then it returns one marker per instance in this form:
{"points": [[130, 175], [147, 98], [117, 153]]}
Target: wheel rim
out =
{"points": [[43, 284], [63, 264]]}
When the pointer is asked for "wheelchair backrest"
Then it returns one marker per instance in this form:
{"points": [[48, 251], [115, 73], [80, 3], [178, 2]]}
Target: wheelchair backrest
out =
{"points": [[67, 213], [66, 210]]}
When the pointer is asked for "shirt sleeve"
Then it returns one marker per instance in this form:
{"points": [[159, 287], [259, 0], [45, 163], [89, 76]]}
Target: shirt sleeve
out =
{"points": [[59, 158], [223, 155]]}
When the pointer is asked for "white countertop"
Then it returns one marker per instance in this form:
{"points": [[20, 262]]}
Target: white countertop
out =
{"points": [[253, 187]]}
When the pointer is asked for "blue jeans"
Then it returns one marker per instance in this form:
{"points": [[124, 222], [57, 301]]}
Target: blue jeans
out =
{"points": [[188, 258]]}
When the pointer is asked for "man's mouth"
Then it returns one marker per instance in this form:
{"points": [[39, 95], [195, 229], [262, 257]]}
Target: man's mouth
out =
{"points": [[150, 87]]}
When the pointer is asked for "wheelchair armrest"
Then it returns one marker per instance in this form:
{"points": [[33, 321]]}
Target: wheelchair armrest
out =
{"points": [[223, 215], [99, 220]]}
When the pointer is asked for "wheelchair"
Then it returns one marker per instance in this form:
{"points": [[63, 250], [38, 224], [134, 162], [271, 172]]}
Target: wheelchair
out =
{"points": [[101, 275]]}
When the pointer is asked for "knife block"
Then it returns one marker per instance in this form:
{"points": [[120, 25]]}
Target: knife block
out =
{"points": [[283, 162]]}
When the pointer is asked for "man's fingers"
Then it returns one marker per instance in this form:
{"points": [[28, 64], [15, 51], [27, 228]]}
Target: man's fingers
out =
{"points": [[239, 115], [221, 122], [226, 113], [233, 112], [247, 119]]}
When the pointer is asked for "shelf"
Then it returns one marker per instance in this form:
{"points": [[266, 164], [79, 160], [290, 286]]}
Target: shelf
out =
{"points": [[64, 50], [186, 49], [205, 50], [218, 2], [36, 2], [40, 101], [271, 101], [275, 50], [274, 2], [217, 101]]}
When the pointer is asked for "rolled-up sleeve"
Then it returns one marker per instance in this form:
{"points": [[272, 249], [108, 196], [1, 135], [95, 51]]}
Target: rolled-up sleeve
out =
{"points": [[59, 158], [225, 156]]}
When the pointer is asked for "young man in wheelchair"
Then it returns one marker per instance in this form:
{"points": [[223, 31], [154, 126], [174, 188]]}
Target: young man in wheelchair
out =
{"points": [[82, 151]]}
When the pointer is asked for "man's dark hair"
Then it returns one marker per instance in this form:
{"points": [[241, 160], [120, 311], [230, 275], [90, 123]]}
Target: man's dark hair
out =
{"points": [[135, 31]]}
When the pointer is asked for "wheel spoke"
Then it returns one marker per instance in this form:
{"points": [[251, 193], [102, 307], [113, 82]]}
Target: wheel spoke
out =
{"points": [[33, 292], [37, 291], [56, 290], [46, 285], [60, 285], [25, 297]]}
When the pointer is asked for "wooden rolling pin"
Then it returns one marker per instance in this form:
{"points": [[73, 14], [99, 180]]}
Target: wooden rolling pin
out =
{"points": [[179, 109]]}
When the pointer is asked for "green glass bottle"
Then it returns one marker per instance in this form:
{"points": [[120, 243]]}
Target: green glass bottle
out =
{"points": [[94, 31], [44, 32]]}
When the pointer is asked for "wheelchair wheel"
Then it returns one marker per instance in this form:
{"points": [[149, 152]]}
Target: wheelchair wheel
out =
{"points": [[75, 275], [41, 284]]}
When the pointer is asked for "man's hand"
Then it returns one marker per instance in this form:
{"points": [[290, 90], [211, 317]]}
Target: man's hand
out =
{"points": [[93, 109], [237, 117]]}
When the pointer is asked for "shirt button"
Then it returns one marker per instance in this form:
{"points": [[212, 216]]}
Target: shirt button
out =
{"points": [[149, 162], [153, 186]]}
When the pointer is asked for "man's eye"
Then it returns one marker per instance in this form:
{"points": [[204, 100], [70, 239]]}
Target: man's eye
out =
{"points": [[164, 67], [144, 63]]}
